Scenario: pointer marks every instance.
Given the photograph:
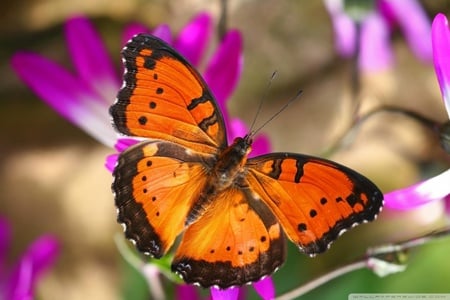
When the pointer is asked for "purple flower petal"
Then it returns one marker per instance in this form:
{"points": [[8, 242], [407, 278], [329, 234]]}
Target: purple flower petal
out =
{"points": [[186, 292], [131, 30], [194, 38], [227, 294], [91, 59], [265, 288], [111, 162], [124, 143], [225, 68], [66, 94], [5, 240], [344, 28], [261, 145], [414, 23], [436, 188], [40, 255], [163, 32], [447, 205], [441, 55], [236, 128], [375, 53]]}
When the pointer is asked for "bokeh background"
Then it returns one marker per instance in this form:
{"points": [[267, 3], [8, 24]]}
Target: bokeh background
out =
{"points": [[52, 177]]}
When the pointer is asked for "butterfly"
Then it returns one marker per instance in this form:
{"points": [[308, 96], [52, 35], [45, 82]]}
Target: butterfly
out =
{"points": [[233, 213]]}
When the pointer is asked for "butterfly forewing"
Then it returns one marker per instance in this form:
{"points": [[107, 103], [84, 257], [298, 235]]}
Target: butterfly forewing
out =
{"points": [[163, 97], [314, 199]]}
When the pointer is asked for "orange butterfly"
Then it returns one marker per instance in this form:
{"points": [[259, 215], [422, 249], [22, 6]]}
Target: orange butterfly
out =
{"points": [[235, 211]]}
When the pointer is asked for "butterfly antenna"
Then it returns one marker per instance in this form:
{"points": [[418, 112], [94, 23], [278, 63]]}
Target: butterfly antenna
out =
{"points": [[286, 105], [263, 99]]}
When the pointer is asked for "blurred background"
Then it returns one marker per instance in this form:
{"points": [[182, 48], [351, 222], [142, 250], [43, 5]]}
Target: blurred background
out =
{"points": [[52, 175]]}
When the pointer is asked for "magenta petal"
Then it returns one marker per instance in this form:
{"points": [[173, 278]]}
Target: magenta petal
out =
{"points": [[414, 23], [111, 161], [194, 37], [124, 143], [163, 32], [5, 240], [66, 94], [447, 205], [91, 59], [375, 53], [261, 145], [131, 30], [57, 87], [186, 292], [227, 294], [441, 55], [40, 255], [436, 188], [236, 128], [344, 28], [225, 67], [265, 288], [120, 145]]}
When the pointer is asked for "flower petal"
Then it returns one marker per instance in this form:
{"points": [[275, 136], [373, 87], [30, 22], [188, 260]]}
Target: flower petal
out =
{"points": [[131, 30], [227, 294], [261, 145], [163, 32], [414, 23], [66, 94], [194, 38], [265, 288], [111, 162], [436, 188], [5, 240], [123, 143], [441, 56], [186, 292], [344, 28], [447, 205], [375, 53], [237, 128], [91, 59], [225, 67], [40, 256]]}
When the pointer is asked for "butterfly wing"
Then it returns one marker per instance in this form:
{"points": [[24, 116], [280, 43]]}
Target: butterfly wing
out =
{"points": [[155, 185], [314, 199], [236, 241], [165, 98]]}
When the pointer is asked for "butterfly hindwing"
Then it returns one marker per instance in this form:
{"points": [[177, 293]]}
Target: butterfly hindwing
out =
{"points": [[155, 185], [165, 98], [236, 241], [314, 199]]}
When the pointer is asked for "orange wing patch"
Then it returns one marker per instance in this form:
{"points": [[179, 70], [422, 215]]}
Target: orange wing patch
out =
{"points": [[165, 98], [315, 200], [237, 240], [156, 184]]}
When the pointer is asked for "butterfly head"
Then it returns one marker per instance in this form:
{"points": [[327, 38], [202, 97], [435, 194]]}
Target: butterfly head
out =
{"points": [[243, 145]]}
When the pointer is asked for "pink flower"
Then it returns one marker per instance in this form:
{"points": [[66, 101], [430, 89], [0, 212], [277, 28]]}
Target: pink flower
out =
{"points": [[438, 187], [370, 31], [17, 282]]}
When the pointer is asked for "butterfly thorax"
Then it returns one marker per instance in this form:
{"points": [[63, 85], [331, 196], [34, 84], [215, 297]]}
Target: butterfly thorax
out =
{"points": [[230, 163], [229, 170]]}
